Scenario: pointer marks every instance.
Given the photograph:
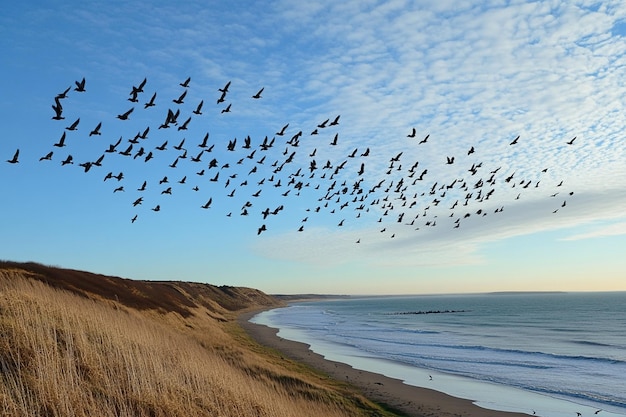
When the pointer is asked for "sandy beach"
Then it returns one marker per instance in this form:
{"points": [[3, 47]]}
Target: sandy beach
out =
{"points": [[410, 400]]}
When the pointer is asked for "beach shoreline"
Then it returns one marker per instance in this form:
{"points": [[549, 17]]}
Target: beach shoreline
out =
{"points": [[392, 393]]}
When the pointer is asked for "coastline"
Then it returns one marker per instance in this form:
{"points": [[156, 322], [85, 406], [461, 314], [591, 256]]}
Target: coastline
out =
{"points": [[411, 400]]}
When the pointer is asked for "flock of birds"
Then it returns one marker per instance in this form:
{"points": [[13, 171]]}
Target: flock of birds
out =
{"points": [[285, 165]]}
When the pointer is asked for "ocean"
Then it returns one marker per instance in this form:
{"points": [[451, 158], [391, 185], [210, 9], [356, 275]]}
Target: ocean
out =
{"points": [[548, 354]]}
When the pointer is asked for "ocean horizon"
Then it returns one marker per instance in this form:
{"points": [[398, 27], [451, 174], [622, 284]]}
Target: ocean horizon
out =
{"points": [[551, 354]]}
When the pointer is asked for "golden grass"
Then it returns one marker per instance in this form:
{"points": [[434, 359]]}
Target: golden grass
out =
{"points": [[63, 354]]}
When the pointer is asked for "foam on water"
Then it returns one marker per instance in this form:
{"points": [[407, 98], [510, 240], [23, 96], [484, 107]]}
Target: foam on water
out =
{"points": [[502, 354]]}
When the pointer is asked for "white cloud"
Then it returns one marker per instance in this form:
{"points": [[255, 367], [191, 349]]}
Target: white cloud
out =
{"points": [[614, 229]]}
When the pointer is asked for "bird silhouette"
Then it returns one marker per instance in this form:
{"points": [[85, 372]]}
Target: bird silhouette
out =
{"points": [[281, 132], [151, 102], [181, 98], [67, 160], [80, 85], [514, 141], [58, 109], [258, 94], [61, 142], [14, 160], [124, 116], [63, 95], [96, 130], [207, 204], [225, 88], [74, 125], [186, 82], [198, 110]]}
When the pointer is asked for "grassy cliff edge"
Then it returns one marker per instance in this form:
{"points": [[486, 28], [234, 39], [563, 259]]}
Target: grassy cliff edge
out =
{"points": [[75, 343]]}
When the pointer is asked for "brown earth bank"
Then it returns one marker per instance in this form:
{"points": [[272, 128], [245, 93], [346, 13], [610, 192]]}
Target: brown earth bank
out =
{"points": [[75, 343]]}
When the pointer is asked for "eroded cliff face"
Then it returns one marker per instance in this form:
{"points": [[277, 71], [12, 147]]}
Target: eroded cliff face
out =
{"points": [[162, 296]]}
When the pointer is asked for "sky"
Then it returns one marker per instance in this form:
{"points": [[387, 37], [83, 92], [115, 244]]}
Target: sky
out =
{"points": [[476, 146]]}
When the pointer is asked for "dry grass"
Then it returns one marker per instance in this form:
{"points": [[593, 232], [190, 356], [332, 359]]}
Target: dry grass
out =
{"points": [[64, 354]]}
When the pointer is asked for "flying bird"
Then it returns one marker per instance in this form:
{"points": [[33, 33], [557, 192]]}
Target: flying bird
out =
{"points": [[96, 130], [58, 109], [185, 83], [225, 89], [185, 124], [67, 160], [80, 85], [282, 131], [181, 98], [514, 141], [14, 159], [258, 94], [124, 116], [151, 102], [61, 142], [571, 142], [198, 109], [74, 125], [63, 95], [139, 88], [113, 146]]}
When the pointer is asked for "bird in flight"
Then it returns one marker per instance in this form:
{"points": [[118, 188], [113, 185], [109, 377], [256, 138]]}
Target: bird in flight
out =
{"points": [[514, 141], [96, 130], [61, 142], [14, 159], [571, 142], [64, 93], [74, 125], [151, 102], [181, 98], [124, 116], [67, 160], [225, 89], [80, 85], [258, 94], [58, 109], [185, 83]]}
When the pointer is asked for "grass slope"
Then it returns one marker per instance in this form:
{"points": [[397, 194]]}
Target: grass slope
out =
{"points": [[74, 343]]}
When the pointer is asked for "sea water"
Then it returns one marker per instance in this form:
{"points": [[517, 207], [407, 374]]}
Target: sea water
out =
{"points": [[548, 354]]}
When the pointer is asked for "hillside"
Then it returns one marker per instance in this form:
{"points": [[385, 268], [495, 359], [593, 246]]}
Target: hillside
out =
{"points": [[77, 343]]}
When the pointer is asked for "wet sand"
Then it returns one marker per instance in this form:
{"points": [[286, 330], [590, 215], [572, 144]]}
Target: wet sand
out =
{"points": [[410, 400]]}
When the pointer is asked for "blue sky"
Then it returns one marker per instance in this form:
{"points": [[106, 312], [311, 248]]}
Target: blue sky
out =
{"points": [[467, 74]]}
